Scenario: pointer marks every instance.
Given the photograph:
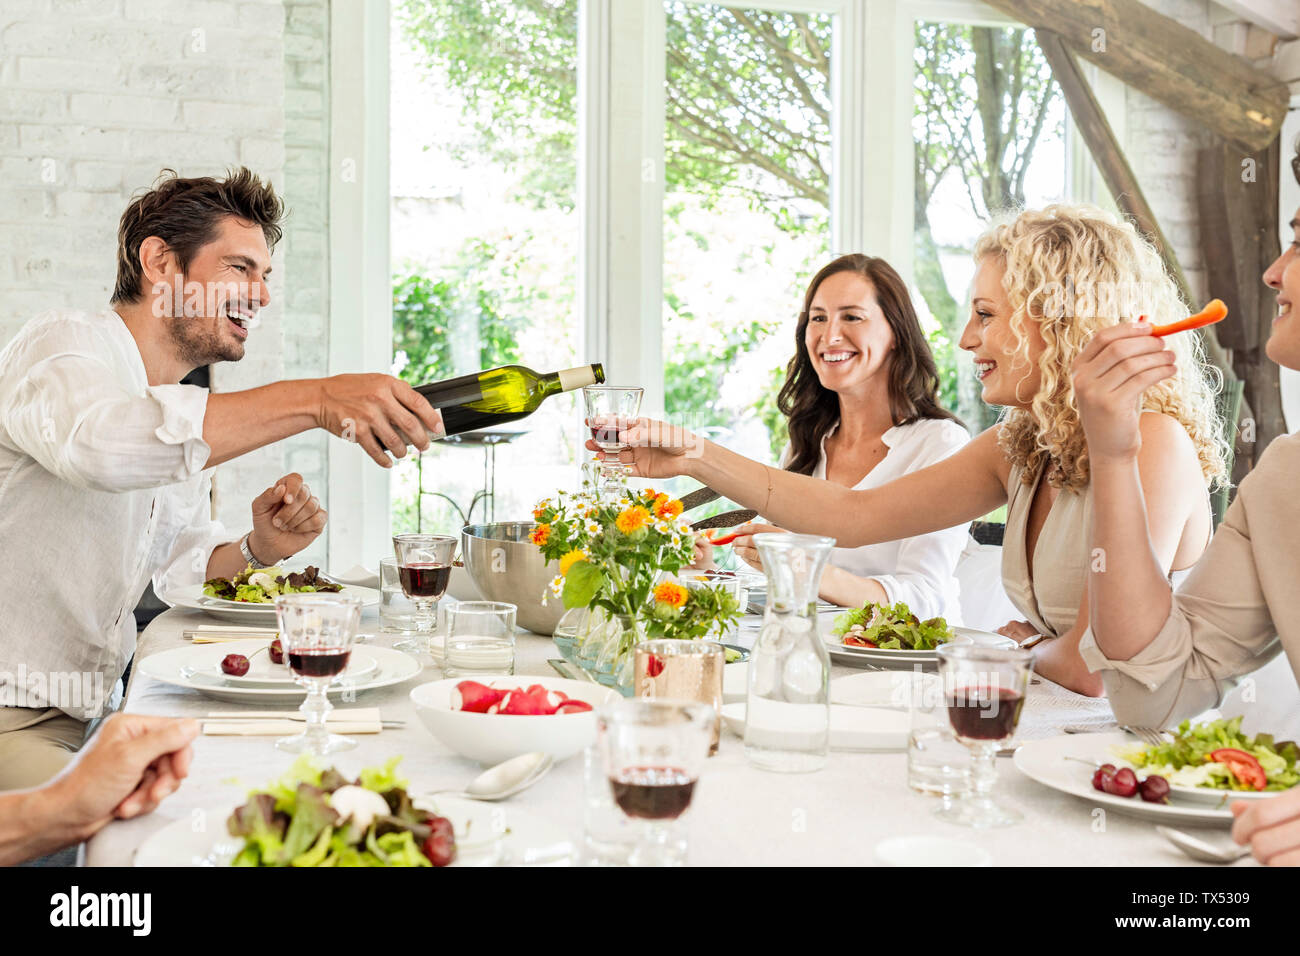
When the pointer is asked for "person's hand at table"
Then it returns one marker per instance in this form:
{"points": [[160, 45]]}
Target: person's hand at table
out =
{"points": [[287, 517], [1110, 375], [1271, 827], [1018, 631], [654, 449], [744, 545], [380, 413], [702, 554], [130, 766]]}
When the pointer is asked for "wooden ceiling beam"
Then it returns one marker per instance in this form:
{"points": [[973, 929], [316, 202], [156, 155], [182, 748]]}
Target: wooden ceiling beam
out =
{"points": [[1166, 60]]}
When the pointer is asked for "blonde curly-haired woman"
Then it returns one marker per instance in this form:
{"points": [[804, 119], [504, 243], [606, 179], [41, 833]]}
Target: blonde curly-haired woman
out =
{"points": [[1046, 281]]}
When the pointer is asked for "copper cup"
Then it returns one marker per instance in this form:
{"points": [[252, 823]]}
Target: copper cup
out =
{"points": [[683, 670]]}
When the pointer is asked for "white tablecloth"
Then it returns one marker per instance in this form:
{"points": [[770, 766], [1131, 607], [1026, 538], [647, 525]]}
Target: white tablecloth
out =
{"points": [[740, 815]]}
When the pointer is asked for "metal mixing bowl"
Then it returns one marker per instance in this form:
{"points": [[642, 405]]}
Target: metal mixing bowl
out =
{"points": [[505, 566]]}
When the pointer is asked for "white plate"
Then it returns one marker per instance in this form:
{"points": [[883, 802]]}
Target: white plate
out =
{"points": [[525, 837], [735, 682], [392, 667], [905, 659], [191, 596], [870, 729], [1047, 762], [263, 673], [1215, 796], [357, 576], [890, 689]]}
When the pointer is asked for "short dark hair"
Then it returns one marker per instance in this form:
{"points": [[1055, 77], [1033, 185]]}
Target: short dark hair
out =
{"points": [[184, 213]]}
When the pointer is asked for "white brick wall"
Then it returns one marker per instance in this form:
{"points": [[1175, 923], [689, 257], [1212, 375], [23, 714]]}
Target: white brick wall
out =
{"points": [[96, 96]]}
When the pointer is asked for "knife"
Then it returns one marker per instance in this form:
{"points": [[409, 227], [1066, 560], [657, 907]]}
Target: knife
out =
{"points": [[700, 496], [728, 519]]}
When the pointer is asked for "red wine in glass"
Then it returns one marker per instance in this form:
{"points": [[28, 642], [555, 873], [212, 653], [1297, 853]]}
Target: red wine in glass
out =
{"points": [[425, 580], [985, 713], [605, 435], [652, 793], [318, 662]]}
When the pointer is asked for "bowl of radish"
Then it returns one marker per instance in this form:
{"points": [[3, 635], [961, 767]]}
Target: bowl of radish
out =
{"points": [[496, 718]]}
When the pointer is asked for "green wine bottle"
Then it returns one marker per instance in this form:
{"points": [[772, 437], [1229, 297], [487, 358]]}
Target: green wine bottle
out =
{"points": [[499, 395]]}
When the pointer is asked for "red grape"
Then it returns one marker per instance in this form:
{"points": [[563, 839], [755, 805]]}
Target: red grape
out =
{"points": [[1123, 784], [1155, 789]]}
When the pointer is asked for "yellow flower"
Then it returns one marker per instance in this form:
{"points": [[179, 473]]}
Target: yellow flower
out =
{"points": [[632, 519], [674, 595], [539, 534], [570, 559], [667, 508]]}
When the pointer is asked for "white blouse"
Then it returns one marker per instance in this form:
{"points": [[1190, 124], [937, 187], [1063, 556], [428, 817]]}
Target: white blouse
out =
{"points": [[919, 571], [102, 487]]}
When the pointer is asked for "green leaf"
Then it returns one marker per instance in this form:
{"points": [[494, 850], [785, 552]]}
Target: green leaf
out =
{"points": [[581, 584]]}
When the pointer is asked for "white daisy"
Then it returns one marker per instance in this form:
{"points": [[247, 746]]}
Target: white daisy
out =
{"points": [[593, 527]]}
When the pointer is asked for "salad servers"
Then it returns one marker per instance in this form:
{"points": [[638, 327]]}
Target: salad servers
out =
{"points": [[505, 779], [1199, 849]]}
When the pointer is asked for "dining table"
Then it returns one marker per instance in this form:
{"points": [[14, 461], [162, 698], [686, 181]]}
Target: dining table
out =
{"points": [[740, 815]]}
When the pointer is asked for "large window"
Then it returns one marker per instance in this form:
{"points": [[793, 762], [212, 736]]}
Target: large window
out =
{"points": [[484, 236], [747, 148], [989, 127]]}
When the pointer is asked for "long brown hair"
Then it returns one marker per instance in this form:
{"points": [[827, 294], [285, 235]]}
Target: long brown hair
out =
{"points": [[811, 410]]}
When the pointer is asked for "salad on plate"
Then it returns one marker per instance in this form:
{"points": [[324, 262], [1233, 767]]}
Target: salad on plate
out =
{"points": [[891, 628], [262, 586], [315, 817], [1218, 756]]}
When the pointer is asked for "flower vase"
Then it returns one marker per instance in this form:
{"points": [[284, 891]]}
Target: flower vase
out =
{"points": [[568, 631], [614, 665]]}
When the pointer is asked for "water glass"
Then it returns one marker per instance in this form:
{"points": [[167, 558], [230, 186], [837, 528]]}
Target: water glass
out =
{"points": [[936, 762], [316, 631], [397, 615], [684, 670], [480, 639]]}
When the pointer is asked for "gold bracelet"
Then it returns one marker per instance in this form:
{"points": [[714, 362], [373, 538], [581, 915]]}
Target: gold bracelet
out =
{"points": [[768, 500]]}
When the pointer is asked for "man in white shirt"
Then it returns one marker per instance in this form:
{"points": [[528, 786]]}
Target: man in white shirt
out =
{"points": [[105, 457]]}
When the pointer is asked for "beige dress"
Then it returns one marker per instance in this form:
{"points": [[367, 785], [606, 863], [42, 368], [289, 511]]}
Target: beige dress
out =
{"points": [[1050, 600]]}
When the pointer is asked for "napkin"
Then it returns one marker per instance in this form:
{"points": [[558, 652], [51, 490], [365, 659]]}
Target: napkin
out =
{"points": [[358, 576], [283, 728], [212, 634]]}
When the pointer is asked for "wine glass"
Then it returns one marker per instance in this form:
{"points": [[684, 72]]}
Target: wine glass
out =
{"points": [[609, 408], [984, 689], [653, 751], [316, 631], [424, 567]]}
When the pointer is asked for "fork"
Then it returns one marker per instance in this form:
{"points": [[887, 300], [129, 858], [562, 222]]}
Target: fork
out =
{"points": [[1148, 735]]}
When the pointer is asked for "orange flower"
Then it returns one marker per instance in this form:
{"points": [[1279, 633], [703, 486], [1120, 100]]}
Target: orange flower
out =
{"points": [[667, 508], [674, 595], [632, 519], [539, 534], [570, 559], [537, 514]]}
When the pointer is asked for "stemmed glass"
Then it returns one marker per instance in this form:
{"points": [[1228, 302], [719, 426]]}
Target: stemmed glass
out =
{"points": [[609, 408], [984, 689], [653, 751], [424, 567], [316, 631]]}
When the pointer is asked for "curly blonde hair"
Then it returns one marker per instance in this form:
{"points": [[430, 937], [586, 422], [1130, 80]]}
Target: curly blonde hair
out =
{"points": [[1077, 269]]}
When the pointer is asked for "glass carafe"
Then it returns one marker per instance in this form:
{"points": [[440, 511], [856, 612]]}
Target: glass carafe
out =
{"points": [[788, 711]]}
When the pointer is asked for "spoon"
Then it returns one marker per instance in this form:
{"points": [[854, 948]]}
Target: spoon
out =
{"points": [[505, 779], [1199, 849]]}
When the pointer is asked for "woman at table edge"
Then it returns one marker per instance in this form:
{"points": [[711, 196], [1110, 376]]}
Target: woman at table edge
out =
{"points": [[1162, 654], [1046, 280], [130, 766], [861, 399]]}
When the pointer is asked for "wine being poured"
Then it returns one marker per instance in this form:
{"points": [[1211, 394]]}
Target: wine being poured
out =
{"points": [[495, 396]]}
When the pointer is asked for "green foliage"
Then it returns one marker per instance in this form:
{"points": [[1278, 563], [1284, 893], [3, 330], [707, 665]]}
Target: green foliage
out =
{"points": [[708, 612], [425, 309]]}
